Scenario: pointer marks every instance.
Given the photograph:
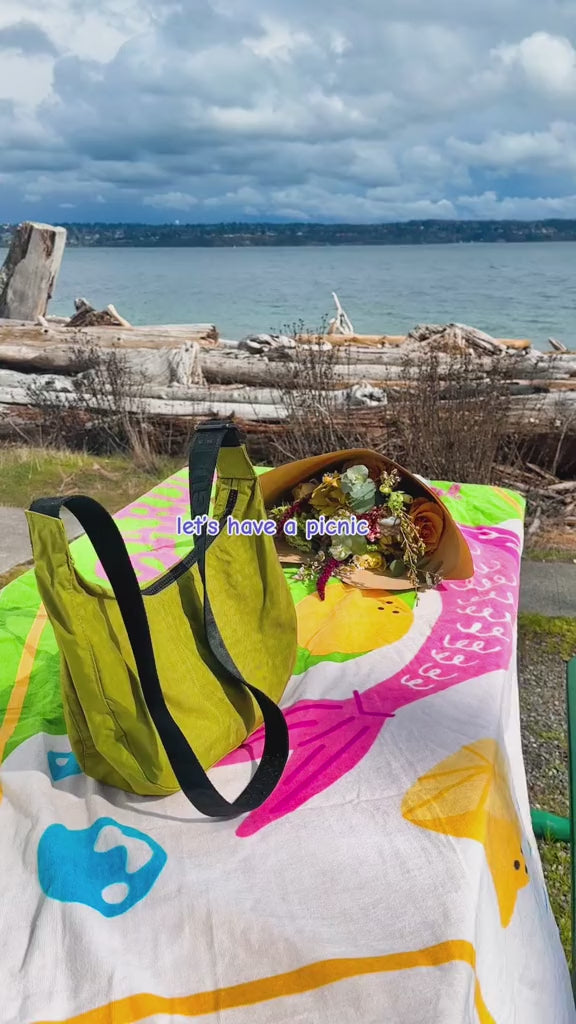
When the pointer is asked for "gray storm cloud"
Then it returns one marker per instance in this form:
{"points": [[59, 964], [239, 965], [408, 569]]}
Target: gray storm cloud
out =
{"points": [[27, 38], [290, 109]]}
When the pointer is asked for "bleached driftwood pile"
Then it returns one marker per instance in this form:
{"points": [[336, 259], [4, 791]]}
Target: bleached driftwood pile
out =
{"points": [[446, 337], [538, 383], [186, 371], [550, 497]]}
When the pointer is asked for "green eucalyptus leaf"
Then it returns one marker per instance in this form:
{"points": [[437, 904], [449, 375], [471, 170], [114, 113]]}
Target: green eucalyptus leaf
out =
{"points": [[340, 552], [359, 545], [397, 568], [352, 477], [361, 496]]}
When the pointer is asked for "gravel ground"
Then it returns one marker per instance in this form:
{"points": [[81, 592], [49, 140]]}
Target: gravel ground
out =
{"points": [[542, 679]]}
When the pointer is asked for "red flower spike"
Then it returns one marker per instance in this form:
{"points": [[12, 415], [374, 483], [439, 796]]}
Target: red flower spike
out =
{"points": [[324, 576], [290, 512]]}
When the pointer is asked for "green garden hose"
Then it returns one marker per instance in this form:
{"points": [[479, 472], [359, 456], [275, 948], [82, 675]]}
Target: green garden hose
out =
{"points": [[550, 826]]}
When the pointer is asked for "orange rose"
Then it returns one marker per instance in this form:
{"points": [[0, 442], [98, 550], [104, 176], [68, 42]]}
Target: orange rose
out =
{"points": [[428, 518]]}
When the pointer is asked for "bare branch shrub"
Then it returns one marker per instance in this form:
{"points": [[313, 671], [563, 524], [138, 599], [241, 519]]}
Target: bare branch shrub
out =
{"points": [[451, 419], [565, 417], [50, 428], [103, 410], [319, 417]]}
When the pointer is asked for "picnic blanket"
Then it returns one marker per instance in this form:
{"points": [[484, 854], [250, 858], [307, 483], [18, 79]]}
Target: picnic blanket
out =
{"points": [[392, 877]]}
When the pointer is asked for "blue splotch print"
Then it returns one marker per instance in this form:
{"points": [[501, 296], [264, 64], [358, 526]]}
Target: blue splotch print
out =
{"points": [[108, 866], [62, 764]]}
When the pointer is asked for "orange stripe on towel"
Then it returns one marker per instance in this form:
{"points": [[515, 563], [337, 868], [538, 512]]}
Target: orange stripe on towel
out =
{"points": [[510, 499], [304, 979], [22, 681]]}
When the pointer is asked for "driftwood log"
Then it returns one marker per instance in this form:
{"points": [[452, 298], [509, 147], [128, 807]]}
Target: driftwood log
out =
{"points": [[558, 346], [231, 367], [182, 398], [16, 387], [46, 343], [32, 347], [30, 269], [16, 411], [87, 316], [166, 357], [178, 365], [459, 334], [38, 336], [182, 373]]}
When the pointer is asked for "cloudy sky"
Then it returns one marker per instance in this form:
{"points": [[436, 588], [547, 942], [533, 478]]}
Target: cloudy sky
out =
{"points": [[210, 110]]}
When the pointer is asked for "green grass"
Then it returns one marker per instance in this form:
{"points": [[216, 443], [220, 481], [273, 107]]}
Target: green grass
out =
{"points": [[556, 863], [114, 480], [557, 736], [558, 635], [549, 554]]}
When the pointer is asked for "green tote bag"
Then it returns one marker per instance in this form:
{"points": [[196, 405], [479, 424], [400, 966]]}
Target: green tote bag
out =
{"points": [[160, 682]]}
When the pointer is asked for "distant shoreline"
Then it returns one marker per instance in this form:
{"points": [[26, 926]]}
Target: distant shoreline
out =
{"points": [[266, 235]]}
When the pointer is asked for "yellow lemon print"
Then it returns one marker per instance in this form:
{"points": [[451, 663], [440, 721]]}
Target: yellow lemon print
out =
{"points": [[351, 621], [468, 796]]}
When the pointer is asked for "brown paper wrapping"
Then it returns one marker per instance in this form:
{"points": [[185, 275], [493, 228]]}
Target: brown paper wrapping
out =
{"points": [[452, 557]]}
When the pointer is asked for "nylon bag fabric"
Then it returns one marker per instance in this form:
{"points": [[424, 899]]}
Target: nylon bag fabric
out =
{"points": [[160, 683]]}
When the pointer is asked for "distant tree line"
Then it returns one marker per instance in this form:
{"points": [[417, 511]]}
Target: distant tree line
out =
{"points": [[417, 232]]}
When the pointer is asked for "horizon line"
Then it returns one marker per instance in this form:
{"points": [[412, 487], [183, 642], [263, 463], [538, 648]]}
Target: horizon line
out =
{"points": [[302, 224]]}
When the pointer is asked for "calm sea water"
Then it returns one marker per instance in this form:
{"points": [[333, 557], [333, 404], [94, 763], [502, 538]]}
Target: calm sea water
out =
{"points": [[522, 291]]}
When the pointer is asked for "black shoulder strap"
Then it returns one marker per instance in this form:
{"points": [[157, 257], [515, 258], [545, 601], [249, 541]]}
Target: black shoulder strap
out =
{"points": [[109, 545]]}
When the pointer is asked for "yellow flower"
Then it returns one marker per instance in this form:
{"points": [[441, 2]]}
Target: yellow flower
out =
{"points": [[331, 478], [370, 561], [327, 497], [304, 490]]}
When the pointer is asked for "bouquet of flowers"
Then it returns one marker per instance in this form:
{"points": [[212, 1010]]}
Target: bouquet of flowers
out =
{"points": [[363, 517]]}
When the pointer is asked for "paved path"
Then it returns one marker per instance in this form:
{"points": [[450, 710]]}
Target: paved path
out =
{"points": [[545, 587], [14, 540], [548, 588]]}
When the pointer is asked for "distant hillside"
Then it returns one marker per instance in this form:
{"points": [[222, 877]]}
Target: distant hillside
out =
{"points": [[425, 232]]}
